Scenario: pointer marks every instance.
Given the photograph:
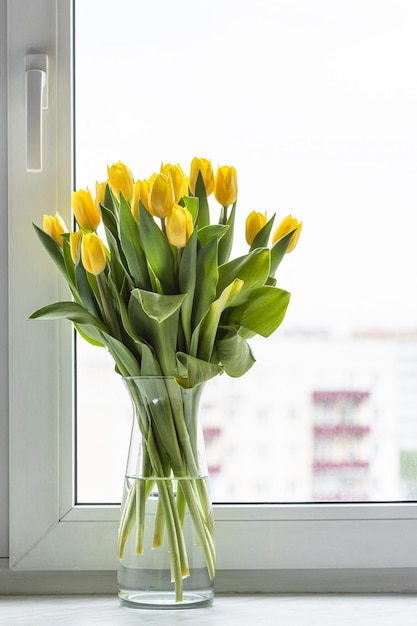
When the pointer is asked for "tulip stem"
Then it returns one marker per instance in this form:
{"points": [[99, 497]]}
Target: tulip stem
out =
{"points": [[163, 226], [223, 215]]}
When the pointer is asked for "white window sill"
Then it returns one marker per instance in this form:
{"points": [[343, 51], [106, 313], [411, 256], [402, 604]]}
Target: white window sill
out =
{"points": [[297, 610]]}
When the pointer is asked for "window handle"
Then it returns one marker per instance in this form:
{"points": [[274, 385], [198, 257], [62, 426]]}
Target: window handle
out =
{"points": [[36, 102]]}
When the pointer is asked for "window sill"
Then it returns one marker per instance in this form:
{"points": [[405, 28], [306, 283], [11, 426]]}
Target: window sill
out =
{"points": [[284, 581], [247, 609]]}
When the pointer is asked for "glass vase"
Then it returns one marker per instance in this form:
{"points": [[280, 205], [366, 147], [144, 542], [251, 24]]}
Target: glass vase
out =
{"points": [[166, 534]]}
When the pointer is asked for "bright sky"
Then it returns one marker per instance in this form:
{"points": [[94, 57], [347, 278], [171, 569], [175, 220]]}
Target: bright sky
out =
{"points": [[313, 101]]}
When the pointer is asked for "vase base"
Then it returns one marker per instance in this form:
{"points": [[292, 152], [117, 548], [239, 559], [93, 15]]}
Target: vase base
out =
{"points": [[164, 599]]}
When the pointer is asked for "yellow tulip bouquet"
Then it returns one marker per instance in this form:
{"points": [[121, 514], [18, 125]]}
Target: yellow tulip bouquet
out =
{"points": [[162, 295]]}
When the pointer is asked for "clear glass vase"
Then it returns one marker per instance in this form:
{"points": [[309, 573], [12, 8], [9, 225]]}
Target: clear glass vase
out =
{"points": [[166, 533]]}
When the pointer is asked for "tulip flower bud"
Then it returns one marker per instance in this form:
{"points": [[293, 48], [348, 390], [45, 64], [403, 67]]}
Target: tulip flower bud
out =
{"points": [[140, 192], [85, 210], [179, 182], [55, 227], [74, 242], [225, 185], [204, 166], [100, 190], [93, 254], [161, 196], [121, 180], [254, 222], [179, 226], [288, 224]]}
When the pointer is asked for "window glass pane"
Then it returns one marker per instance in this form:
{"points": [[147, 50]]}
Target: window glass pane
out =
{"points": [[314, 104]]}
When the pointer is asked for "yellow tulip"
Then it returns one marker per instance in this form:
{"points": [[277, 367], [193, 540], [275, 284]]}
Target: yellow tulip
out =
{"points": [[161, 196], [121, 180], [288, 224], [254, 222], [100, 189], [179, 226], [85, 210], [225, 185], [54, 226], [74, 242], [140, 192], [179, 181], [206, 169], [93, 254]]}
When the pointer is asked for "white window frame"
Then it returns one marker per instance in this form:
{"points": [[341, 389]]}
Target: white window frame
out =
{"points": [[310, 547]]}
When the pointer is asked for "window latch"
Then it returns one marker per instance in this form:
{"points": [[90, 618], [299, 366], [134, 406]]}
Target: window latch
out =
{"points": [[36, 102]]}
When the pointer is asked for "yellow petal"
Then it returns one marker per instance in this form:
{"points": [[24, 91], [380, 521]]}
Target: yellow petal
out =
{"points": [[100, 189], [254, 223], [161, 196], [74, 242], [85, 209], [140, 192], [121, 180], [93, 253], [225, 185], [204, 166], [54, 226], [288, 224], [179, 226], [177, 177]]}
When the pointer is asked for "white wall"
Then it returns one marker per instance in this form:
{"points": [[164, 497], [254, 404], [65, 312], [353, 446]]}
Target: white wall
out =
{"points": [[4, 473]]}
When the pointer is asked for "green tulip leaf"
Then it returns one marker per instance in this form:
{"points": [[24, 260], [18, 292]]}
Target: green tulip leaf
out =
{"points": [[191, 204], [54, 250], [149, 365], [262, 238], [226, 242], [109, 221], [210, 232], [109, 200], [263, 312], [207, 272], [127, 364], [76, 314], [69, 263], [83, 331], [205, 333], [87, 289], [157, 306], [155, 318], [278, 251], [203, 217], [195, 370], [233, 352], [157, 250], [117, 261], [253, 269], [187, 281], [130, 243]]}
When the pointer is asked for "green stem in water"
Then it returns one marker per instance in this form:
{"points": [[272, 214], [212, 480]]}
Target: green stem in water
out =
{"points": [[159, 526], [203, 532], [181, 503], [174, 553], [127, 518]]}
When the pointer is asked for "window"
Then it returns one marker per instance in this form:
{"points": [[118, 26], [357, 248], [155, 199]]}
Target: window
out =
{"points": [[338, 156], [259, 545]]}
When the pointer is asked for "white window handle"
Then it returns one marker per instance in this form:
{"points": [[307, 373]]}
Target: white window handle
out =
{"points": [[36, 101]]}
